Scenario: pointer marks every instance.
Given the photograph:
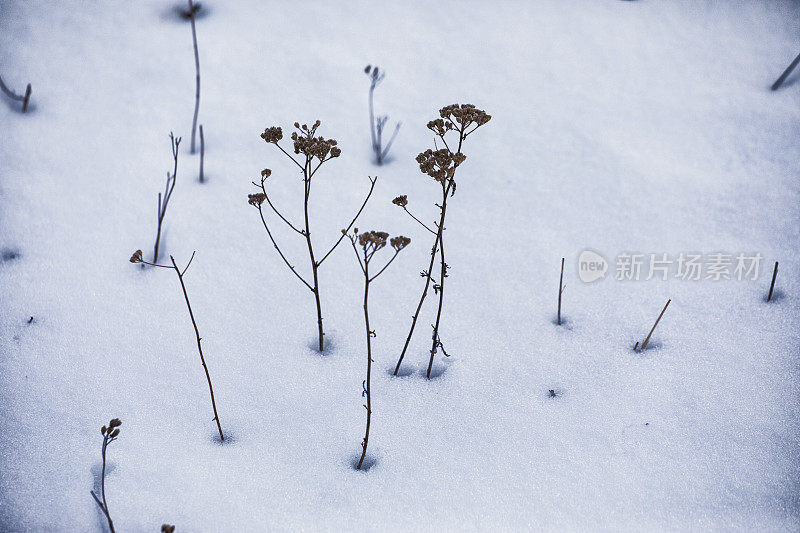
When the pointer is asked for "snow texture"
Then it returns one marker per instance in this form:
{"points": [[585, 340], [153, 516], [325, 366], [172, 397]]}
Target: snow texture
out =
{"points": [[617, 126]]}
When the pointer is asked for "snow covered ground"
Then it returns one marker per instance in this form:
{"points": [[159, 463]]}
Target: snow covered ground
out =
{"points": [[643, 127]]}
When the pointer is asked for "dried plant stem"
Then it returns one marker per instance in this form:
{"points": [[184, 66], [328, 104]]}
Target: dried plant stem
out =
{"points": [[786, 73], [373, 135], [376, 128], [560, 290], [772, 285], [110, 434], [202, 152], [448, 189], [163, 201], [197, 70], [421, 223], [11, 94], [435, 341], [370, 243], [647, 340], [199, 346], [136, 258], [367, 388], [314, 264], [308, 167], [104, 504], [428, 279]]}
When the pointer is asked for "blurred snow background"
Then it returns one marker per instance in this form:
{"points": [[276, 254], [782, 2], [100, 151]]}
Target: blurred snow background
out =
{"points": [[617, 126]]}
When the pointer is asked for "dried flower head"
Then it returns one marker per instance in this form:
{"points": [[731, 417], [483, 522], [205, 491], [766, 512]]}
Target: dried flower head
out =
{"points": [[401, 200], [439, 164], [272, 134], [265, 173], [166, 528], [319, 147], [375, 239], [109, 431], [256, 199], [400, 242], [136, 257], [440, 126], [464, 114], [374, 73]]}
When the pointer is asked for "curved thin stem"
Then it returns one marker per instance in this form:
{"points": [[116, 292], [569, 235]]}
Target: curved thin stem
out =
{"points": [[367, 388], [199, 347], [418, 220], [289, 156], [197, 71], [442, 276], [269, 233], [385, 266], [266, 197], [363, 205]]}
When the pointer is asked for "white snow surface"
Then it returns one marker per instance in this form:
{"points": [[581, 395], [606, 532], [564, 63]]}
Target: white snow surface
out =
{"points": [[617, 126]]}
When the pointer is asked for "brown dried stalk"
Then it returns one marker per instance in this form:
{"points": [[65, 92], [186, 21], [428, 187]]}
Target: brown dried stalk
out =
{"points": [[365, 246], [560, 290], [647, 340], [168, 188], [441, 164], [110, 434], [137, 258], [314, 152]]}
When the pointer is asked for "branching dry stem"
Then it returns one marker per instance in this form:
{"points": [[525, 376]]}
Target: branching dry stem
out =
{"points": [[315, 151]]}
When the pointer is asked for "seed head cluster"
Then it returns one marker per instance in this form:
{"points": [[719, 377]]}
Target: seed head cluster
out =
{"points": [[439, 164], [375, 239], [272, 135], [256, 199], [319, 147], [399, 242], [136, 257], [401, 200], [112, 430], [464, 114]]}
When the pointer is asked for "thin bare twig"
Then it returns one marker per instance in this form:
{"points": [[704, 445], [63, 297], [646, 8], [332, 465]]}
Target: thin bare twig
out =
{"points": [[376, 76], [163, 201], [202, 152], [363, 205], [110, 434], [197, 71], [271, 238], [647, 340], [418, 220], [786, 73], [14, 96], [772, 285], [560, 290], [137, 258]]}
